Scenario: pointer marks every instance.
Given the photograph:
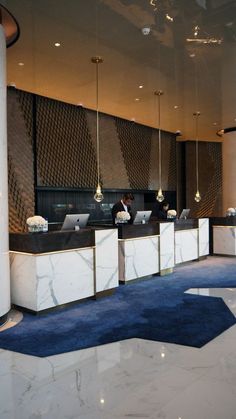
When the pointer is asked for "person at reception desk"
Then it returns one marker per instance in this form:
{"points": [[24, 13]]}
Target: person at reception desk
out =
{"points": [[123, 205], [163, 209]]}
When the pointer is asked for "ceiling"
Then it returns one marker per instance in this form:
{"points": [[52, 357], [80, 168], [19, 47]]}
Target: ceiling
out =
{"points": [[194, 76]]}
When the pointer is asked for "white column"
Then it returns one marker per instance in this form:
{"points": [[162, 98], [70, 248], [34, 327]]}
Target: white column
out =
{"points": [[229, 171], [4, 237], [228, 116]]}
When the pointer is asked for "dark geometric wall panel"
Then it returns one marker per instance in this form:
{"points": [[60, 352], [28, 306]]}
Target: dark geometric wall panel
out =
{"points": [[65, 154], [210, 179], [65, 138], [135, 141], [20, 159], [168, 160], [112, 165]]}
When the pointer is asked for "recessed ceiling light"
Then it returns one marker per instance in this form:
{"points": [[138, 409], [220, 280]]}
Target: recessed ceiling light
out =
{"points": [[57, 44], [21, 64], [192, 55], [12, 84], [140, 86], [214, 123], [176, 107], [235, 119], [137, 99], [132, 119]]}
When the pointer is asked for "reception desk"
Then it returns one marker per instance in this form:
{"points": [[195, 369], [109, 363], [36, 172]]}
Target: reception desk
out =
{"points": [[223, 234], [55, 268], [145, 249], [58, 267], [191, 239], [156, 248]]}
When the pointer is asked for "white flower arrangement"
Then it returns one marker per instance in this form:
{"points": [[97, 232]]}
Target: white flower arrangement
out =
{"points": [[36, 220], [171, 213], [230, 212], [122, 216], [36, 224]]}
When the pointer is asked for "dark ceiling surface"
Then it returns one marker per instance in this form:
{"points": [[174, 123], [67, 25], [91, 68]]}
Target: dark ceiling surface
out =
{"points": [[197, 75]]}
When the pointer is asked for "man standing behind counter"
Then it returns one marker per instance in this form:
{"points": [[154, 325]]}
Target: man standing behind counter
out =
{"points": [[123, 205]]}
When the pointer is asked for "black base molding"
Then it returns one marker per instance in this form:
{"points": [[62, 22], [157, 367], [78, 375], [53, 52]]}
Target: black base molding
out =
{"points": [[3, 319]]}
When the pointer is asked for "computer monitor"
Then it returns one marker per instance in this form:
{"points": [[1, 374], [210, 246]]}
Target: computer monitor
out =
{"points": [[142, 217], [73, 220], [184, 214]]}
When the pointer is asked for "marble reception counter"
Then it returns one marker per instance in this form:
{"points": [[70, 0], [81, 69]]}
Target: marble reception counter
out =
{"points": [[55, 268], [223, 235], [191, 239], [156, 248]]}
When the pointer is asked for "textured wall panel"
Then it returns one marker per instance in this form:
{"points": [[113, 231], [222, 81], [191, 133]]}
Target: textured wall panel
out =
{"points": [[65, 153], [135, 141], [210, 179], [112, 164], [20, 160]]}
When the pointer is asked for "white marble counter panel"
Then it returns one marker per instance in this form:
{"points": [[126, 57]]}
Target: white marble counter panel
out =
{"points": [[203, 236], [138, 257], [44, 281], [167, 247], [4, 244], [106, 259], [224, 240], [186, 245]]}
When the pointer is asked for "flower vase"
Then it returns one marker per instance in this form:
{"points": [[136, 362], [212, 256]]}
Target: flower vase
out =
{"points": [[35, 228]]}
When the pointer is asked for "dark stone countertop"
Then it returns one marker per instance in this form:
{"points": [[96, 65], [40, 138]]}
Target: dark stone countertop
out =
{"points": [[51, 241], [186, 224], [223, 221], [131, 231]]}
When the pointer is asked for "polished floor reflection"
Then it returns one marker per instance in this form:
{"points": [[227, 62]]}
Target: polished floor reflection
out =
{"points": [[129, 379]]}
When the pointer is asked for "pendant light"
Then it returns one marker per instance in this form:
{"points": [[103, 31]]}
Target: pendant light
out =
{"points": [[160, 196], [197, 195], [98, 195]]}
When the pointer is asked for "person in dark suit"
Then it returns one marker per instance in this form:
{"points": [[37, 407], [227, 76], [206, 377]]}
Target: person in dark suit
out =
{"points": [[123, 205], [162, 211]]}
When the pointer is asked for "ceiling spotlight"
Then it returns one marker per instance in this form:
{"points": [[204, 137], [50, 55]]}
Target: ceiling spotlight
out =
{"points": [[168, 17], [178, 132], [196, 30], [57, 44], [210, 41], [137, 99], [146, 30], [140, 86], [153, 3], [21, 64], [214, 123], [133, 120], [176, 107], [192, 55]]}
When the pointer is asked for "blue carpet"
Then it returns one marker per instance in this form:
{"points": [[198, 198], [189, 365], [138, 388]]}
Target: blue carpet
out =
{"points": [[155, 309]]}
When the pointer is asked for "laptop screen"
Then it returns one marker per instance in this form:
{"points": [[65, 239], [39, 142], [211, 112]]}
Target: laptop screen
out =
{"points": [[142, 217], [73, 220], [184, 214]]}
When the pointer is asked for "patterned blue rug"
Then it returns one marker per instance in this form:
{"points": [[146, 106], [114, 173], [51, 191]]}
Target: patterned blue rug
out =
{"points": [[155, 309]]}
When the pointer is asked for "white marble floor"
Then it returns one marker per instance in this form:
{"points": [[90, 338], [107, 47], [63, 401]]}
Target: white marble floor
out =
{"points": [[129, 379]]}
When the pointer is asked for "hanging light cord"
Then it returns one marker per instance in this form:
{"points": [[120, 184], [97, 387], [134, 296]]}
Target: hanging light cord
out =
{"points": [[197, 114], [97, 114], [159, 139]]}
